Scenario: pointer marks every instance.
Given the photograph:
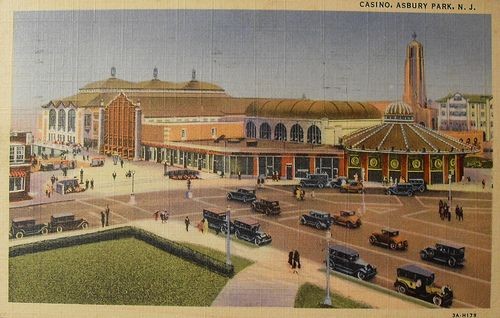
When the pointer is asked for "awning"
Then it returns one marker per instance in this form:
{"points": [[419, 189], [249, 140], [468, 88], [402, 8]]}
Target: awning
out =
{"points": [[17, 173]]}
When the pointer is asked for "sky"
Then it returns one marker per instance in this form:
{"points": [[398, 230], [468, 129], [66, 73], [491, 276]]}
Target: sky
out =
{"points": [[284, 54]]}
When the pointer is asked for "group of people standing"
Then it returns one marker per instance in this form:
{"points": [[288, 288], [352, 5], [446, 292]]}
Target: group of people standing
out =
{"points": [[294, 261], [105, 216], [445, 213], [163, 215]]}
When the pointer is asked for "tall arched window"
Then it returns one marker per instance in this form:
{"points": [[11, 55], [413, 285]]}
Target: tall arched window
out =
{"points": [[71, 120], [265, 131], [280, 132], [251, 130], [314, 135], [61, 120], [297, 133], [52, 119]]}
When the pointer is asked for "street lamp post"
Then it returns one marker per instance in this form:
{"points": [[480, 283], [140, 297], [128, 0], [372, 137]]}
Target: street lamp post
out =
{"points": [[132, 194], [328, 299], [228, 236], [449, 188]]}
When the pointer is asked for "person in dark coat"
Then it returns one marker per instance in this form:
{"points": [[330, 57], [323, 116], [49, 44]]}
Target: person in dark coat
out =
{"points": [[187, 222], [457, 212], [107, 215], [114, 175], [121, 163], [92, 183], [461, 215], [290, 258], [103, 218], [86, 184], [296, 261]]}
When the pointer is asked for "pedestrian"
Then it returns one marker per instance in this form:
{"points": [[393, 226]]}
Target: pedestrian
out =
{"points": [[461, 215], [189, 184], [86, 184], [239, 175], [200, 225], [448, 214], [313, 195], [81, 175], [88, 158], [162, 216], [156, 214], [114, 175], [107, 215], [53, 179], [441, 205], [457, 212], [205, 226], [103, 218], [187, 222], [290, 258], [166, 215], [302, 194], [121, 162], [92, 183], [296, 261], [483, 183]]}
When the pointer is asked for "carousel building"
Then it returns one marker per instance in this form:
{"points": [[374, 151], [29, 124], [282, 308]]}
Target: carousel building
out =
{"points": [[399, 148]]}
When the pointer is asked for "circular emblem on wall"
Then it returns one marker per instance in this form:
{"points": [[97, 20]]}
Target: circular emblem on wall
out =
{"points": [[354, 161], [438, 163], [452, 162], [394, 164], [415, 163], [373, 162]]}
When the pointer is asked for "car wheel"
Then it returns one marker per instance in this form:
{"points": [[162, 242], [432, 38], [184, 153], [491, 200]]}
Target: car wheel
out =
{"points": [[244, 200], [237, 233], [436, 300], [229, 197], [85, 225], [302, 221], [401, 288], [452, 262], [421, 189], [59, 229], [320, 186], [431, 253], [410, 193], [268, 212], [256, 241], [372, 240], [360, 275], [223, 230], [19, 235], [349, 225], [388, 192], [318, 226], [423, 255], [45, 231], [392, 246]]}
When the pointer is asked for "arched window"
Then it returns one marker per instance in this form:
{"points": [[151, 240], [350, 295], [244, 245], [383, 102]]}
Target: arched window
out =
{"points": [[71, 120], [61, 120], [297, 133], [251, 130], [52, 119], [314, 135], [265, 131], [280, 132]]}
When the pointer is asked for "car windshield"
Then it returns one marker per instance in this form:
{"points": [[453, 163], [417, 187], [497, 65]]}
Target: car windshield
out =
{"points": [[348, 213]]}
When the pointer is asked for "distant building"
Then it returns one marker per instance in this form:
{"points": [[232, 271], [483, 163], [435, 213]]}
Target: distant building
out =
{"points": [[19, 166]]}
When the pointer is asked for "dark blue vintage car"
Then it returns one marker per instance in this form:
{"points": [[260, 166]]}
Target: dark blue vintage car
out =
{"points": [[249, 230], [317, 219], [25, 226], [243, 195]]}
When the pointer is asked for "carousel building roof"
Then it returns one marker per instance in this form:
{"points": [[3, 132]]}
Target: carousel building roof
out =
{"points": [[400, 134]]}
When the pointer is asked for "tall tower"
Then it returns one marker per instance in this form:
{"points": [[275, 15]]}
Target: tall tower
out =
{"points": [[414, 89]]}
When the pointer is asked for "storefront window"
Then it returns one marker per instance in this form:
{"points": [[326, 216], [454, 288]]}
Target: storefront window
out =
{"points": [[16, 184]]}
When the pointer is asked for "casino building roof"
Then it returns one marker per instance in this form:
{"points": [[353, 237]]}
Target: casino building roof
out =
{"points": [[400, 134]]}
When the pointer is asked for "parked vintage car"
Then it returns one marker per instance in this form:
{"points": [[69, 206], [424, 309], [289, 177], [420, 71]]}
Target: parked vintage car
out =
{"points": [[24, 226], [338, 181], [243, 195], [182, 174], [418, 282], [418, 185], [400, 189], [352, 187], [316, 180], [46, 166], [346, 260], [318, 219], [68, 186], [267, 207], [97, 161], [249, 230], [66, 221], [390, 238], [347, 218], [217, 220], [451, 254]]}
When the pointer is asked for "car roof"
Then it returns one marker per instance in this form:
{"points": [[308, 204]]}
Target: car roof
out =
{"points": [[319, 212], [350, 211], [248, 221], [23, 218], [244, 189], [62, 214], [344, 249], [449, 244], [215, 210], [388, 229], [419, 180], [416, 269]]}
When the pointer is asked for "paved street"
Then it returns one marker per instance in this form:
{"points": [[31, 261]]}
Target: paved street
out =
{"points": [[416, 218]]}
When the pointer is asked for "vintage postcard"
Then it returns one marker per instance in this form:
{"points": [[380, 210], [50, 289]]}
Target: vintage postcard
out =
{"points": [[227, 159]]}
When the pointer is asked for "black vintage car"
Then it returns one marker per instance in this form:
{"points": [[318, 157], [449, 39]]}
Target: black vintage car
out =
{"points": [[418, 185], [347, 261], [249, 230], [317, 180], [451, 254], [217, 220], [338, 181], [66, 221], [418, 282], [25, 226], [266, 207], [243, 195], [317, 219], [400, 189]]}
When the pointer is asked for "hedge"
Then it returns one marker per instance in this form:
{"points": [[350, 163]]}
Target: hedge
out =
{"points": [[125, 232]]}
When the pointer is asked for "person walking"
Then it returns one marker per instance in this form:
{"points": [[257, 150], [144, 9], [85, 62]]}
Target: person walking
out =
{"points": [[448, 214], [103, 218], [162, 217], [156, 214], [86, 184], [461, 215], [187, 222], [239, 175], [53, 179], [114, 175], [205, 226], [483, 183], [121, 162], [290, 258], [457, 212], [189, 184], [107, 215], [92, 183], [296, 261]]}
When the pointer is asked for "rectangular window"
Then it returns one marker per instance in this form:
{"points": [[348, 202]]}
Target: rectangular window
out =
{"points": [[16, 154], [87, 121], [183, 133], [213, 131], [16, 184]]}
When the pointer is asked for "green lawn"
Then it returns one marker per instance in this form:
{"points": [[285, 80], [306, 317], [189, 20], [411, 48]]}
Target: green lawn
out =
{"points": [[312, 296], [125, 271], [239, 263]]}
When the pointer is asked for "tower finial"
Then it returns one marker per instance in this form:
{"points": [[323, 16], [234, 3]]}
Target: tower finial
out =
{"points": [[155, 73], [193, 75], [113, 71], [414, 35]]}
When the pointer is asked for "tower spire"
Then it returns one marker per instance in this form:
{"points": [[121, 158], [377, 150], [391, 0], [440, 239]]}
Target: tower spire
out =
{"points": [[414, 35], [193, 75]]}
